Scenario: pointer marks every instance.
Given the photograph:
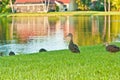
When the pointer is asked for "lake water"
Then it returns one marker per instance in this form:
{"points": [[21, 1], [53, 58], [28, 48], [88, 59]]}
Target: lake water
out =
{"points": [[29, 34]]}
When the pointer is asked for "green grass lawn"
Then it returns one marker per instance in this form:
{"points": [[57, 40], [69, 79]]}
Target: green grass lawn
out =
{"points": [[93, 63], [75, 13]]}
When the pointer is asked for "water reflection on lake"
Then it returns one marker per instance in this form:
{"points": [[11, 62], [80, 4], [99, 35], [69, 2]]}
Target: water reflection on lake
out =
{"points": [[29, 34]]}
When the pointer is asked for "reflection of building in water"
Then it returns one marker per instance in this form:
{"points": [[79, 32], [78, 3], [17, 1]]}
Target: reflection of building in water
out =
{"points": [[31, 26], [69, 26], [49, 32], [25, 27], [86, 30], [34, 33]]}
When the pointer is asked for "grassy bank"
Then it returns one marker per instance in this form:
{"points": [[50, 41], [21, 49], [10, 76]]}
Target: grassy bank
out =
{"points": [[93, 63], [63, 13]]}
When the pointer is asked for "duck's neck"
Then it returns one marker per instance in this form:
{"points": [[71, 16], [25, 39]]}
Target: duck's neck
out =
{"points": [[106, 44], [71, 40]]}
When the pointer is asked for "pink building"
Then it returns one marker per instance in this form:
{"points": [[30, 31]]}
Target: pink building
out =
{"points": [[37, 5]]}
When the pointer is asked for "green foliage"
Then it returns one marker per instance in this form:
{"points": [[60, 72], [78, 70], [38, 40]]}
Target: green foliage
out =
{"points": [[116, 4], [88, 5], [97, 6], [83, 4], [93, 63], [5, 6], [57, 8]]}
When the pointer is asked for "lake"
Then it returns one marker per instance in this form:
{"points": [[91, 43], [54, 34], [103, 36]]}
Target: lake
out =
{"points": [[29, 34]]}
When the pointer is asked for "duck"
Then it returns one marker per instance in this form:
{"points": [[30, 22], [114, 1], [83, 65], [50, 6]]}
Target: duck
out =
{"points": [[11, 53], [42, 50], [72, 47], [1, 53], [111, 48]]}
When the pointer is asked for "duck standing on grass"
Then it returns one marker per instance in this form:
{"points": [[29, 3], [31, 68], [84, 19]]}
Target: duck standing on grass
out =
{"points": [[72, 47], [112, 48]]}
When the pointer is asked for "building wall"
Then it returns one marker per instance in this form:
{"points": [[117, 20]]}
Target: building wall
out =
{"points": [[38, 6], [31, 7]]}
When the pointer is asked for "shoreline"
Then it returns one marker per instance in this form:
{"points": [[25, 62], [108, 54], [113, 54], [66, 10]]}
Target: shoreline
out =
{"points": [[75, 13]]}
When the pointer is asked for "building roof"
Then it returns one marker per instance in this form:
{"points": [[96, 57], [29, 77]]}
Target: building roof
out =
{"points": [[31, 1], [38, 1], [64, 1]]}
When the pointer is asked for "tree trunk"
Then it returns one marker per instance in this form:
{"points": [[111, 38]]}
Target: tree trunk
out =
{"points": [[46, 5], [108, 5], [11, 6], [73, 5], [105, 7]]}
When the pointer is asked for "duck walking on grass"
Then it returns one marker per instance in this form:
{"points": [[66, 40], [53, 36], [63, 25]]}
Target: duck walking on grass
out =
{"points": [[112, 48], [72, 47]]}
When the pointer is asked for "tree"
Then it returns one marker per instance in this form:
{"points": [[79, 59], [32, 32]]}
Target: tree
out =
{"points": [[73, 5], [11, 6], [90, 5], [116, 4], [97, 6], [6, 6], [86, 4], [46, 5], [83, 4], [109, 6], [105, 6]]}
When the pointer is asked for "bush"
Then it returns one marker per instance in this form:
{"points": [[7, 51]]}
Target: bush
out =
{"points": [[97, 6], [57, 8]]}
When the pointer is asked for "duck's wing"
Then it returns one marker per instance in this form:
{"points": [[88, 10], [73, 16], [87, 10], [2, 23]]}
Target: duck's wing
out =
{"points": [[112, 48], [76, 48]]}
